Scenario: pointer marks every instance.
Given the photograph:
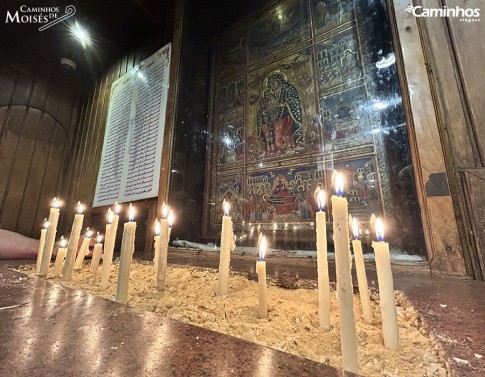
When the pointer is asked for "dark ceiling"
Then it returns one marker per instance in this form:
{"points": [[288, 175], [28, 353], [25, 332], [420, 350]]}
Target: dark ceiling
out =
{"points": [[115, 26]]}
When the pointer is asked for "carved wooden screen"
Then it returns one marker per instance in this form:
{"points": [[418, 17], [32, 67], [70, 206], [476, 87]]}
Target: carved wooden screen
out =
{"points": [[297, 94]]}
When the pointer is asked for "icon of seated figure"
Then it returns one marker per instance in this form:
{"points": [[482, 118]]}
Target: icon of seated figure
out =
{"points": [[279, 115]]}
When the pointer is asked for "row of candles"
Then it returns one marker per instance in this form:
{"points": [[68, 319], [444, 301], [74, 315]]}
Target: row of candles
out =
{"points": [[66, 260], [343, 262]]}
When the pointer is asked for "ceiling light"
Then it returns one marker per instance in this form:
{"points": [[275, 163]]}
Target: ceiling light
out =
{"points": [[81, 34]]}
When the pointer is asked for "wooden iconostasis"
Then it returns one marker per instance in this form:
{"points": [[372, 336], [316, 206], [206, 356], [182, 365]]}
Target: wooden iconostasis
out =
{"points": [[298, 94]]}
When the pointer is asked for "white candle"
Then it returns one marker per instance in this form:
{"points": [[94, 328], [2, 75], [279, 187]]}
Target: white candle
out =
{"points": [[107, 231], [98, 247], [73, 243], [126, 256], [227, 241], [50, 238], [361, 275], [61, 254], [348, 339], [156, 246], [166, 228], [390, 329], [261, 271], [83, 251], [324, 301], [109, 247], [40, 250]]}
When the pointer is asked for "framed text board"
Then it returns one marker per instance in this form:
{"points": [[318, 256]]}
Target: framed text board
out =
{"points": [[133, 141]]}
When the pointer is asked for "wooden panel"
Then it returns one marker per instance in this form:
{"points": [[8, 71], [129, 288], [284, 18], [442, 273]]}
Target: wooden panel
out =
{"points": [[31, 140], [8, 76], [32, 194], [440, 228], [22, 90], [456, 129], [87, 141], [39, 94], [467, 38], [7, 158], [19, 173], [475, 189]]}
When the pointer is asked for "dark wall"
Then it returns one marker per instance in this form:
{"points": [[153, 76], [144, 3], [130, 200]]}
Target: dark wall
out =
{"points": [[38, 111]]}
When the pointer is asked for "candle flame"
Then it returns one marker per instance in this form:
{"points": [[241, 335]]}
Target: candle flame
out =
{"points": [[46, 224], [170, 219], [339, 184], [372, 221], [275, 226], [165, 209], [99, 238], [110, 216], [89, 232], [157, 227], [226, 206], [117, 208], [80, 207], [56, 203], [321, 198], [131, 213], [355, 227], [379, 229], [62, 242], [262, 248]]}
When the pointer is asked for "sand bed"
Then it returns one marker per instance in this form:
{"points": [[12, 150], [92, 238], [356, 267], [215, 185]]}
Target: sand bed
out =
{"points": [[292, 324]]}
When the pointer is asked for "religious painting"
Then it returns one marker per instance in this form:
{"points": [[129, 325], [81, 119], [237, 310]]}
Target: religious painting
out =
{"points": [[345, 120], [285, 24], [338, 61], [281, 111], [287, 103], [228, 188], [230, 147], [230, 98], [362, 188], [328, 14], [282, 195], [232, 58]]}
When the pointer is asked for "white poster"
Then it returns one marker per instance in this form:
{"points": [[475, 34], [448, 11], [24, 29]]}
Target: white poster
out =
{"points": [[133, 142]]}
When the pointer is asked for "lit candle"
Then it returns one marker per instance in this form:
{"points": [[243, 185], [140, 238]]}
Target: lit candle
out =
{"points": [[84, 250], [107, 231], [50, 237], [372, 223], [324, 301], [361, 275], [227, 241], [390, 329], [73, 243], [261, 271], [109, 246], [166, 228], [61, 254], [40, 250], [98, 248], [126, 256], [156, 246], [344, 278]]}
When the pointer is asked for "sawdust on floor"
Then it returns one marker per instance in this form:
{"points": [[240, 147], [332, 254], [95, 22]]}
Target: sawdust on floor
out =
{"points": [[292, 323]]}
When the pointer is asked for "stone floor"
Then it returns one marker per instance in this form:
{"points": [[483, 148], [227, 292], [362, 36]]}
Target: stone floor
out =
{"points": [[59, 331], [50, 330]]}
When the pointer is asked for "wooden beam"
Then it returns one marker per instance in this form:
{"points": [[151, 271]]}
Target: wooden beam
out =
{"points": [[443, 245]]}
